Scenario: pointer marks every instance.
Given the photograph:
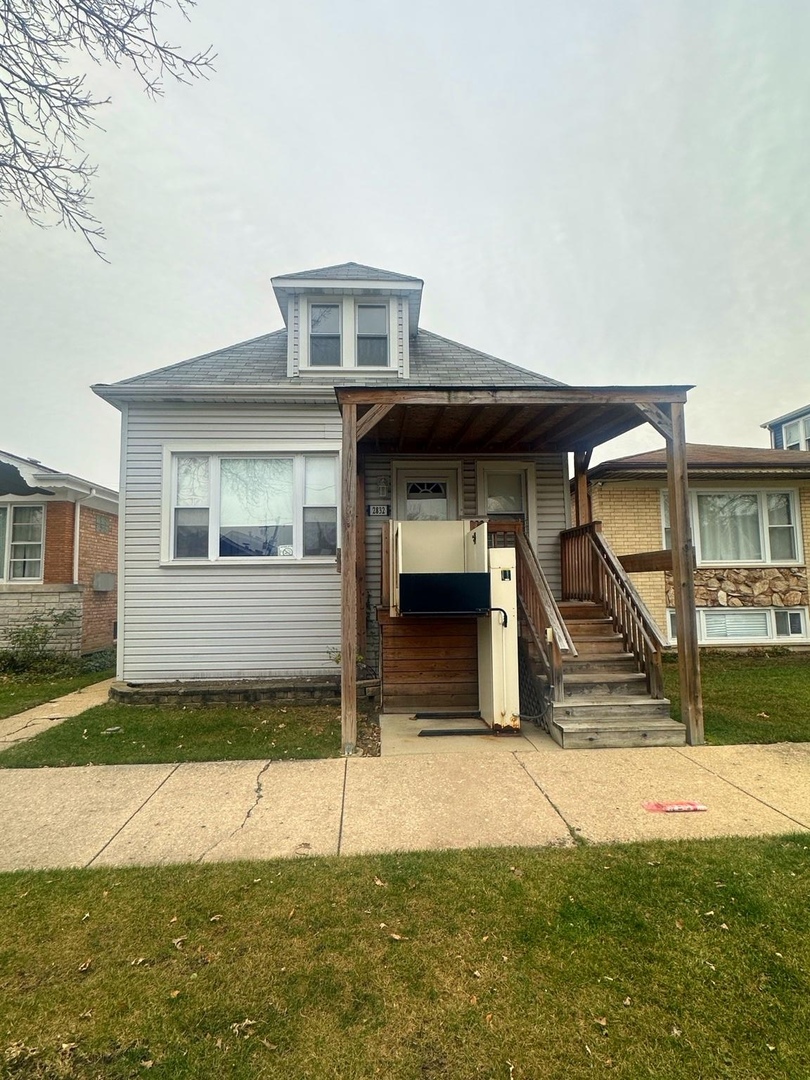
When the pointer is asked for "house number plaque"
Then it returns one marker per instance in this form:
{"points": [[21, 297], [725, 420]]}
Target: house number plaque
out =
{"points": [[378, 510]]}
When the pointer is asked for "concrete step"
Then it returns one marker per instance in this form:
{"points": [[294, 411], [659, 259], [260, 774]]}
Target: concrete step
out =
{"points": [[604, 683], [588, 735]]}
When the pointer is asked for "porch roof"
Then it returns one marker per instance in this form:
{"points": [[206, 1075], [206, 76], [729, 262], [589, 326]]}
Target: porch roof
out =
{"points": [[503, 419]]}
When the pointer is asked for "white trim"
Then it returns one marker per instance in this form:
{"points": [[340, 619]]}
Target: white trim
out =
{"points": [[429, 469], [395, 285], [803, 423], [348, 305], [760, 490], [217, 449], [404, 312], [5, 555], [771, 638], [526, 469], [122, 520]]}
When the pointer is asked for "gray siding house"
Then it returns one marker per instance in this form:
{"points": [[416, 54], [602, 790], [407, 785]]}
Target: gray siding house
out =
{"points": [[245, 472]]}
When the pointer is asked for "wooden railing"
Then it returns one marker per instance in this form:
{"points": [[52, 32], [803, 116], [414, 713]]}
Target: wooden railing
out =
{"points": [[536, 600], [592, 571]]}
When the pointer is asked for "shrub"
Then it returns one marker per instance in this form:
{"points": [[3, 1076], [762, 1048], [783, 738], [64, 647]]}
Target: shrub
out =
{"points": [[29, 644]]}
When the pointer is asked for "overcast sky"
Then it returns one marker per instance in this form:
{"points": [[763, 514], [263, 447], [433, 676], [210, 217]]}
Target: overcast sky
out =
{"points": [[607, 192]]}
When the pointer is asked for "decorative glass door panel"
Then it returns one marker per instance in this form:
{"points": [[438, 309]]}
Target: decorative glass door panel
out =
{"points": [[428, 495]]}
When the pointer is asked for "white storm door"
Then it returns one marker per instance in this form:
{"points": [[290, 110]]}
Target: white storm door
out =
{"points": [[427, 494]]}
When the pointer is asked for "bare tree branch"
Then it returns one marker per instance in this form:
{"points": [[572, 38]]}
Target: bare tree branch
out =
{"points": [[45, 109]]}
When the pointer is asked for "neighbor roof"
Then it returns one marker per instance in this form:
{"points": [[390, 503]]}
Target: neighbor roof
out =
{"points": [[705, 460], [786, 418], [262, 362]]}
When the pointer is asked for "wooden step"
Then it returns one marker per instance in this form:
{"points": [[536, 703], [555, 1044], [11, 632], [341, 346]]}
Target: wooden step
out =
{"points": [[601, 645], [591, 735], [590, 662], [613, 707], [604, 683], [580, 609]]}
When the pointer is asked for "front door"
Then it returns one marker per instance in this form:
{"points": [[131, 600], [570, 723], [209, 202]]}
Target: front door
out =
{"points": [[427, 494]]}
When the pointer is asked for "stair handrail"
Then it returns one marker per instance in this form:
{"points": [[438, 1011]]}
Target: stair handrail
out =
{"points": [[592, 571], [540, 610]]}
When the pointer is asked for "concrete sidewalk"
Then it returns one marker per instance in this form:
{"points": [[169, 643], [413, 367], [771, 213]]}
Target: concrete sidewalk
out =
{"points": [[26, 725], [157, 814]]}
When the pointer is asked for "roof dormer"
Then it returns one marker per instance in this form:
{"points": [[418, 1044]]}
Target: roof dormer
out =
{"points": [[348, 319]]}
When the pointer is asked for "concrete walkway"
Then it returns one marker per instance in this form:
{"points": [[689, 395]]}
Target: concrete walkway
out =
{"points": [[157, 814], [26, 725]]}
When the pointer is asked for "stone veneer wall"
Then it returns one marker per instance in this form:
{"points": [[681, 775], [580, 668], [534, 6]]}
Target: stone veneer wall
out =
{"points": [[770, 586], [18, 603]]}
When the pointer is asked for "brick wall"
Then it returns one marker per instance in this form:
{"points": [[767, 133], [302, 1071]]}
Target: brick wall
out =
{"points": [[631, 522], [98, 553], [58, 566]]}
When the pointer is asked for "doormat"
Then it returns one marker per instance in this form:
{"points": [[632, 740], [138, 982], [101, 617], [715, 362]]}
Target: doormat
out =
{"points": [[683, 807]]}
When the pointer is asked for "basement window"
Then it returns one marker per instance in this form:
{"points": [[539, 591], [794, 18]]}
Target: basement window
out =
{"points": [[745, 625]]}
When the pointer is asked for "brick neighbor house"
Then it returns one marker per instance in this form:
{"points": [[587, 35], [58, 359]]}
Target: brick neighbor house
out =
{"points": [[751, 519], [58, 552]]}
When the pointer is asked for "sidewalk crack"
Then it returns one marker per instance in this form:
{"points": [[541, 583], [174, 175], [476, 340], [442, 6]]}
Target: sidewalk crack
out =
{"points": [[750, 794], [575, 836], [259, 795], [117, 832], [343, 803]]}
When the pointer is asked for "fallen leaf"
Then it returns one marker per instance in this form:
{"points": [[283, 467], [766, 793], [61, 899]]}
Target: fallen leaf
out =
{"points": [[723, 926], [679, 924], [174, 993], [147, 1064], [476, 974], [86, 1014], [765, 716], [137, 961], [215, 918], [85, 966], [172, 919], [178, 941], [627, 1001], [770, 1047], [380, 883], [292, 912], [473, 1000], [398, 937], [602, 1021], [676, 1031], [85, 916]]}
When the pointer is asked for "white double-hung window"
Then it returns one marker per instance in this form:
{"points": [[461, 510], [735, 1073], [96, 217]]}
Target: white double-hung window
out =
{"points": [[247, 506], [347, 333], [21, 535], [796, 435], [736, 528]]}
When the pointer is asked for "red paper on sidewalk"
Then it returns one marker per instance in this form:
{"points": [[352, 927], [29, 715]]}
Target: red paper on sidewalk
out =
{"points": [[685, 806]]}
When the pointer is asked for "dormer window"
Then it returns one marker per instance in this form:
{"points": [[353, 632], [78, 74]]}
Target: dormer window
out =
{"points": [[796, 436], [324, 335], [372, 335]]}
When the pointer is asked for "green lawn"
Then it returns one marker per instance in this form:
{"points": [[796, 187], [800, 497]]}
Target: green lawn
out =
{"points": [[183, 733], [681, 961], [751, 699], [19, 692]]}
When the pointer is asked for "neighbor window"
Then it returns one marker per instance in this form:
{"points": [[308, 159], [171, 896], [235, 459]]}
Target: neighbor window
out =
{"points": [[744, 624], [372, 335], [737, 527], [240, 506], [796, 436], [21, 542], [324, 335]]}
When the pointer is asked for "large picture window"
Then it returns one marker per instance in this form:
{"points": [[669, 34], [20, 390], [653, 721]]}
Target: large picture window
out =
{"points": [[21, 530], [738, 527], [230, 506]]}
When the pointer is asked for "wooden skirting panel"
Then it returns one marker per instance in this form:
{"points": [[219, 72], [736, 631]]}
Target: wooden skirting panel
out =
{"points": [[428, 663]]}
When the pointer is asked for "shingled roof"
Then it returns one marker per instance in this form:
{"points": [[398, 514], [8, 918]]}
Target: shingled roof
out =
{"points": [[262, 362], [705, 460], [349, 271]]}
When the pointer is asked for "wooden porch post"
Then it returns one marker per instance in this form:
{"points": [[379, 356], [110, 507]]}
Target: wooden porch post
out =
{"points": [[348, 581], [683, 573], [582, 502]]}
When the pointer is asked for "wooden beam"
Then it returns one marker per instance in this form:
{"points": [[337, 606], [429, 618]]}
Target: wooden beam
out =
{"points": [[582, 499], [348, 581], [552, 395], [657, 417], [361, 555], [370, 419], [683, 573], [437, 434], [646, 562]]}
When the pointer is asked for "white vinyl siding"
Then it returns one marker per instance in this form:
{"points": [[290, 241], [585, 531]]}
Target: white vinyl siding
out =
{"points": [[221, 620]]}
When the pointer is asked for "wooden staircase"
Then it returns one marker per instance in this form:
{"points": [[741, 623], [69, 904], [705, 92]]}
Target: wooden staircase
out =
{"points": [[606, 701]]}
